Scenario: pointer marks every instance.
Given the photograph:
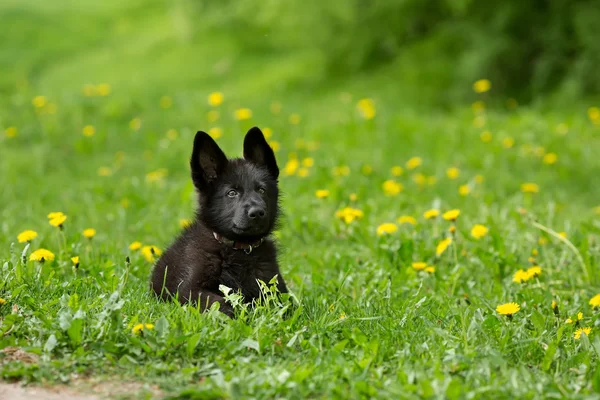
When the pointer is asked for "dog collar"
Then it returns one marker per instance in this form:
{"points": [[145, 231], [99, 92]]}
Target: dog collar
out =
{"points": [[247, 247]]}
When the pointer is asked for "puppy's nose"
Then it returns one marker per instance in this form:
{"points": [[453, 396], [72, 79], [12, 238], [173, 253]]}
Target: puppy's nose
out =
{"points": [[256, 212]]}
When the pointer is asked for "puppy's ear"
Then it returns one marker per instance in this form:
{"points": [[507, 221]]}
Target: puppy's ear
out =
{"points": [[258, 151], [208, 161]]}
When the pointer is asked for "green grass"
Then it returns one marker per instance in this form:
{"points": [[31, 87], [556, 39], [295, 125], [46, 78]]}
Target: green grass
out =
{"points": [[366, 324]]}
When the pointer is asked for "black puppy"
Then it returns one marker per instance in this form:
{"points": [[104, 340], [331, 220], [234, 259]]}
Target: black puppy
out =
{"points": [[228, 242]]}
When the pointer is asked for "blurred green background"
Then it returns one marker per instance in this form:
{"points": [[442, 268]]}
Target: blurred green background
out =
{"points": [[431, 51]]}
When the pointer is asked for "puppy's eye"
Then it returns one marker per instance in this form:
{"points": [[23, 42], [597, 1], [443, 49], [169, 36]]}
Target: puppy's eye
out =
{"points": [[232, 193], [261, 190]]}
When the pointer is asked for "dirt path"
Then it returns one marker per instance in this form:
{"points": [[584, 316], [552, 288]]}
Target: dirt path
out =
{"points": [[89, 388], [14, 391]]}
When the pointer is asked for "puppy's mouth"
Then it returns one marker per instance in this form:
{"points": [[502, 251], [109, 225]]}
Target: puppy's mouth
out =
{"points": [[248, 230], [240, 230]]}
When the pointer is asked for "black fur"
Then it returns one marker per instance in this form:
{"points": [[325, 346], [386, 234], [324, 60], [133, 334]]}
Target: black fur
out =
{"points": [[239, 200]]}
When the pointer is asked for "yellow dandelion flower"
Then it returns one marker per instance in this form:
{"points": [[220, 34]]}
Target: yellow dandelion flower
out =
{"points": [[104, 171], [534, 271], [419, 266], [75, 260], [452, 229], [322, 193], [392, 188], [172, 134], [58, 220], [594, 114], [452, 172], [414, 162], [308, 162], [433, 213], [157, 175], [275, 145], [508, 309], [150, 253], [451, 215], [42, 255], [595, 301], [2, 301], [406, 219], [482, 85], [442, 246], [579, 316], [366, 108], [166, 102], [550, 158], [430, 269], [267, 133], [569, 321], [291, 166], [478, 231], [534, 252], [342, 170], [275, 107], [349, 214], [139, 328], [88, 130], [342, 316], [294, 119], [303, 172], [26, 236], [89, 233], [213, 116], [508, 142], [420, 179], [135, 246], [562, 234], [215, 99], [486, 136], [242, 114], [103, 89], [368, 170], [55, 214], [521, 276], [183, 223], [11, 132], [353, 197], [39, 101], [135, 124], [386, 228], [578, 332], [464, 190], [397, 170], [215, 133], [530, 187]]}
